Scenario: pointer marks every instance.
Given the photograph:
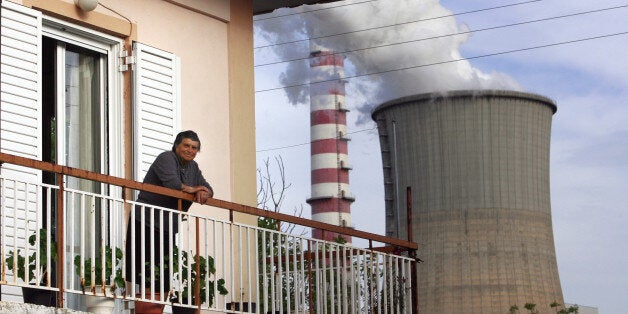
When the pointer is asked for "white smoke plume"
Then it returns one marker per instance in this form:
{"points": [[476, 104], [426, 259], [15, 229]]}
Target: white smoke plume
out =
{"points": [[397, 70]]}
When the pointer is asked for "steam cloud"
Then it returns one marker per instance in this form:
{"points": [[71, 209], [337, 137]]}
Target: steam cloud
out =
{"points": [[401, 66]]}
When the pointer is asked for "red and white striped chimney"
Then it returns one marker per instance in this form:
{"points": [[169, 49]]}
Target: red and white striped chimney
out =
{"points": [[331, 198]]}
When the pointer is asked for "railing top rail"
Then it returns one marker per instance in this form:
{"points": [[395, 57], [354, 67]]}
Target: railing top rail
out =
{"points": [[130, 184]]}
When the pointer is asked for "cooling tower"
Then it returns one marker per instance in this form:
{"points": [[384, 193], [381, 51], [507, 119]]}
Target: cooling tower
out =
{"points": [[477, 163]]}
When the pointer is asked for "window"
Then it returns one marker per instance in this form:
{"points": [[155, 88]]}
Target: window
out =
{"points": [[74, 131], [81, 100]]}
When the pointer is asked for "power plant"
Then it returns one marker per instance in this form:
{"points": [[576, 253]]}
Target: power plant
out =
{"points": [[477, 164], [331, 198]]}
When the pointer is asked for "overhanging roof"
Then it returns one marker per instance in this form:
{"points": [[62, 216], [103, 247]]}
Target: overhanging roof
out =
{"points": [[267, 6]]}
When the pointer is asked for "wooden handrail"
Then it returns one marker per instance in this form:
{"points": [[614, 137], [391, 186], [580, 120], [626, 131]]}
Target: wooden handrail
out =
{"points": [[130, 184]]}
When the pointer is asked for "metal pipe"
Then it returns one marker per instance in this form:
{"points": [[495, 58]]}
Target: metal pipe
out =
{"points": [[397, 218], [409, 212]]}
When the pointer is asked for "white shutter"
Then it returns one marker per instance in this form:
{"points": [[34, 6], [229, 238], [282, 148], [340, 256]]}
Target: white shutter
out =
{"points": [[156, 107], [20, 124], [20, 116]]}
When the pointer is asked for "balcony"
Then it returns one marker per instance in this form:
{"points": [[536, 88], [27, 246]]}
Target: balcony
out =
{"points": [[67, 240]]}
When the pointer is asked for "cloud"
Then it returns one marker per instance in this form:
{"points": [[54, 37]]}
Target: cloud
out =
{"points": [[382, 69]]}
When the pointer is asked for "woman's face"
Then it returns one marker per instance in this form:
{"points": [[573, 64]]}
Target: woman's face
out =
{"points": [[187, 149]]}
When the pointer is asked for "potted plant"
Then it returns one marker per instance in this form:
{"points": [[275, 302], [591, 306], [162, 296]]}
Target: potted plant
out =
{"points": [[150, 307], [19, 268], [113, 278], [207, 267]]}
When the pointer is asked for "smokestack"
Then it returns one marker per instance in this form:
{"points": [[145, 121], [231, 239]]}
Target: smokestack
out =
{"points": [[478, 166], [331, 198]]}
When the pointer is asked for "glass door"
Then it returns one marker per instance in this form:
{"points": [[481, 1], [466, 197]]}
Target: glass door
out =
{"points": [[75, 135]]}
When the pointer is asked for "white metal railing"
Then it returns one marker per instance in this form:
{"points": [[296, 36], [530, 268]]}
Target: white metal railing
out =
{"points": [[242, 268], [303, 274]]}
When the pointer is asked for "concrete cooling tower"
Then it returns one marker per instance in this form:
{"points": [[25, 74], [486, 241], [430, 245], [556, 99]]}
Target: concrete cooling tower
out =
{"points": [[477, 163]]}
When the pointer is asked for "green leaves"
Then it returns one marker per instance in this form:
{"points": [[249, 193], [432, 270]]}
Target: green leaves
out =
{"points": [[32, 259], [207, 269], [555, 305], [97, 266]]}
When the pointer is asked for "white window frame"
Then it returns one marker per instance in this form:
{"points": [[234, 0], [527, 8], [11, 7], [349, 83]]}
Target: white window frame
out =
{"points": [[110, 46]]}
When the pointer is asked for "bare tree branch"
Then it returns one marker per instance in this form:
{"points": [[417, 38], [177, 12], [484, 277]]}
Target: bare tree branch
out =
{"points": [[271, 193]]}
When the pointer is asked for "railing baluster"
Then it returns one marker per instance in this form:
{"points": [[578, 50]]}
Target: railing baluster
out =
{"points": [[279, 272], [345, 280], [71, 238], [207, 254], [151, 257], [142, 253], [295, 272], [231, 253], [271, 272], [3, 239], [27, 248], [286, 268], [384, 283], [310, 281], [15, 236], [214, 252], [48, 228], [249, 257], [92, 238], [197, 286], [103, 256], [258, 270], [240, 262], [317, 276], [265, 270], [37, 215], [60, 241], [171, 262], [160, 241], [131, 238], [328, 277], [224, 247]]}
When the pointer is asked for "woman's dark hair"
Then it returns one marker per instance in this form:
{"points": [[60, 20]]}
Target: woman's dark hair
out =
{"points": [[186, 134]]}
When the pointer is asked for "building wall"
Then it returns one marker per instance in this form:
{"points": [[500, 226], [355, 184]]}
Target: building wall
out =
{"points": [[214, 43], [213, 40], [477, 163]]}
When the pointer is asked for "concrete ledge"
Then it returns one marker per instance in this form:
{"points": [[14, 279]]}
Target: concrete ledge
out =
{"points": [[14, 307]]}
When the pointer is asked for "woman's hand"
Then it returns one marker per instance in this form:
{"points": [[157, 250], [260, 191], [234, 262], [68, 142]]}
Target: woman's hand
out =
{"points": [[201, 193], [202, 196]]}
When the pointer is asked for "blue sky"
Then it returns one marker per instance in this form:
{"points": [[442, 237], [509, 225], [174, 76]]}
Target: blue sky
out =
{"points": [[588, 80]]}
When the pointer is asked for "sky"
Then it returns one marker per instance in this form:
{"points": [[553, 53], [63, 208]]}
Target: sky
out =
{"points": [[571, 51]]}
